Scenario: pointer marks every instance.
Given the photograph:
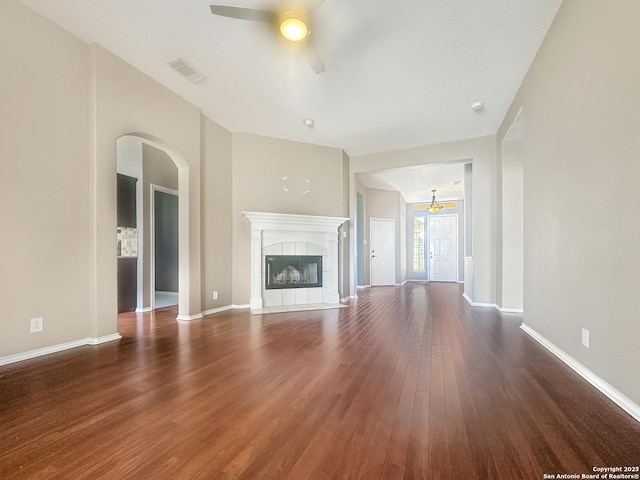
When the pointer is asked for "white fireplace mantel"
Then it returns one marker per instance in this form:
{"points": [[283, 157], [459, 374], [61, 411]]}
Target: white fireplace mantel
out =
{"points": [[280, 230]]}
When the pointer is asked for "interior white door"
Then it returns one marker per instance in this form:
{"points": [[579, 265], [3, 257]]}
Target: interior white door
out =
{"points": [[383, 251], [443, 248]]}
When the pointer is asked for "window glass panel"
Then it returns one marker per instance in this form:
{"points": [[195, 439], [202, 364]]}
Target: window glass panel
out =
{"points": [[418, 244]]}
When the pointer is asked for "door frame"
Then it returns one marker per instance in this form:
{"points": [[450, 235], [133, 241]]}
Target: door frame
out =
{"points": [[395, 246], [153, 188], [457, 245]]}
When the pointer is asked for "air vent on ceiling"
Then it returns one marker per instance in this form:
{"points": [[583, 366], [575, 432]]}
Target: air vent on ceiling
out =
{"points": [[188, 71]]}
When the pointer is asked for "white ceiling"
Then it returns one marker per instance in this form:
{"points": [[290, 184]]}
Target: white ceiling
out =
{"points": [[398, 73], [415, 183]]}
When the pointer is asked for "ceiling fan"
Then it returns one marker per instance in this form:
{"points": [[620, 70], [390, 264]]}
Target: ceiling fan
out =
{"points": [[291, 22]]}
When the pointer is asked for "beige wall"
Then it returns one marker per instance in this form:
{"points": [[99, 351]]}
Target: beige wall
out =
{"points": [[216, 215], [259, 164], [482, 152], [126, 101], [44, 146], [581, 173]]}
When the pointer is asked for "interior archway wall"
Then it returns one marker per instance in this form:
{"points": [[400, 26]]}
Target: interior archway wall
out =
{"points": [[145, 300], [125, 102]]}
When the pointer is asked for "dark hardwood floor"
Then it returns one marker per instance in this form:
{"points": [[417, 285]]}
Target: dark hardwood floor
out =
{"points": [[408, 383]]}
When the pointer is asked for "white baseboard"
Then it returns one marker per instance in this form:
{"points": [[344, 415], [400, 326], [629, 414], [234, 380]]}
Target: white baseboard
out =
{"points": [[346, 299], [19, 357], [104, 339], [144, 310], [241, 307], [491, 305], [189, 318], [217, 310], [509, 310], [612, 393], [363, 286], [478, 304]]}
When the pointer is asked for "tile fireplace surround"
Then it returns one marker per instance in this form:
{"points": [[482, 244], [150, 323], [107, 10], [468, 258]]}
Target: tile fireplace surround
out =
{"points": [[287, 234]]}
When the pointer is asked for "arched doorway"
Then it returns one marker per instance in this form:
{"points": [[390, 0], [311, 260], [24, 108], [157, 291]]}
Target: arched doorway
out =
{"points": [[133, 147]]}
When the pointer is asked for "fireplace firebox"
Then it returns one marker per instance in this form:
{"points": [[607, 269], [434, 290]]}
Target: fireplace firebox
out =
{"points": [[293, 271]]}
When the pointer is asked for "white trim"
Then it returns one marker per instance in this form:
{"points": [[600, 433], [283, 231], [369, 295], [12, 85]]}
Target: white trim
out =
{"points": [[460, 281], [162, 189], [217, 310], [478, 304], [509, 310], [144, 310], [363, 286], [609, 391], [241, 307], [485, 305], [103, 339], [19, 357], [491, 305], [466, 297], [294, 223], [189, 318]]}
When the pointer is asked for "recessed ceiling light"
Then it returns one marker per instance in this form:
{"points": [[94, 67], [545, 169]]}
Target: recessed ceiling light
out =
{"points": [[477, 106], [308, 122]]}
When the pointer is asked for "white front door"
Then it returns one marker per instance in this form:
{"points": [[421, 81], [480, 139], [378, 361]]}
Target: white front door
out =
{"points": [[383, 251], [443, 248]]}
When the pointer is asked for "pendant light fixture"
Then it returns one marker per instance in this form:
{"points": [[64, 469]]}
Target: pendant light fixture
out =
{"points": [[435, 207]]}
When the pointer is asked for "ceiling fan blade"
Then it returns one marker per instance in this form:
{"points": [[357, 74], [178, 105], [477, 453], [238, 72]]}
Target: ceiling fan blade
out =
{"points": [[313, 57], [244, 13]]}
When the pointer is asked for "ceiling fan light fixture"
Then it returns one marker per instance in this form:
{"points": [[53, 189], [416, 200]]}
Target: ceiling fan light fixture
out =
{"points": [[293, 29], [435, 207]]}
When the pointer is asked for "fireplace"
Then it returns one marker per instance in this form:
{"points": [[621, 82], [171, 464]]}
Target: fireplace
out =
{"points": [[293, 271], [312, 238]]}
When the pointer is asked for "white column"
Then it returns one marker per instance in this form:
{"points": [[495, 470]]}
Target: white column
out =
{"points": [[334, 296], [256, 269]]}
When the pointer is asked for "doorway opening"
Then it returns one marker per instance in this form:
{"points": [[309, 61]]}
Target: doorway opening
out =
{"points": [[156, 234], [164, 246]]}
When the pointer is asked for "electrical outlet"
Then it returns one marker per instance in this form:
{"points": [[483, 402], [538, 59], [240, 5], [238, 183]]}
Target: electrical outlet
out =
{"points": [[585, 337], [215, 295], [37, 325]]}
